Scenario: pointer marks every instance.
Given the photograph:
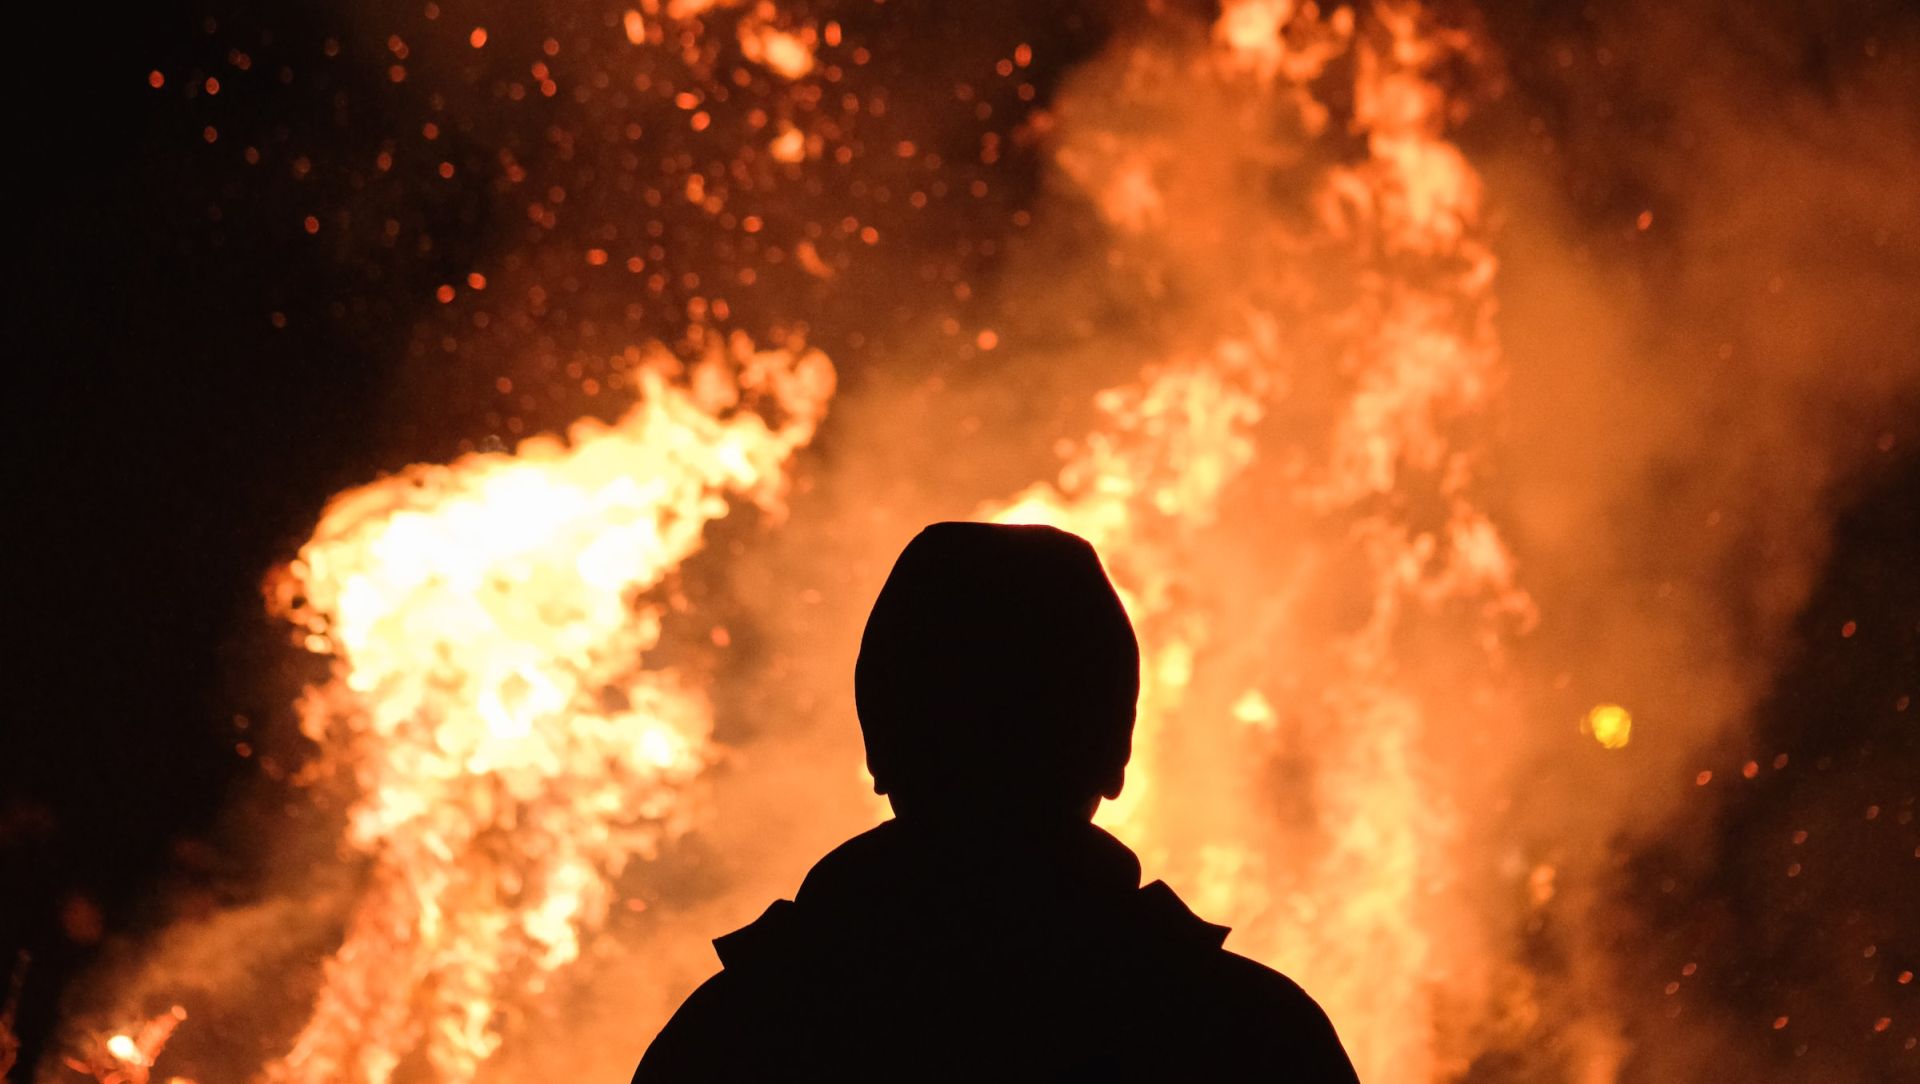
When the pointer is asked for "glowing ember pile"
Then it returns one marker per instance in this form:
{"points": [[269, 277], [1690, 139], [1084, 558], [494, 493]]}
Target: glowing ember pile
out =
{"points": [[510, 748]]}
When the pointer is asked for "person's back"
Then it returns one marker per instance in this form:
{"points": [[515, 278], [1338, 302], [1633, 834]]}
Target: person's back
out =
{"points": [[991, 930]]}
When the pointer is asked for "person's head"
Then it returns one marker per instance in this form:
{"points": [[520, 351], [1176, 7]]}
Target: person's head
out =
{"points": [[997, 676]]}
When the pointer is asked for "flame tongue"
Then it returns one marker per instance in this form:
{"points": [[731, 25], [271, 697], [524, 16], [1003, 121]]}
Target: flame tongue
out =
{"points": [[509, 750]]}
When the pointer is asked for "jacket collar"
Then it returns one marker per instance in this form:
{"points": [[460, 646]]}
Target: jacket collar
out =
{"points": [[910, 883]]}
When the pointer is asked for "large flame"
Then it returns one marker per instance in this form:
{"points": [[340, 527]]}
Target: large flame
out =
{"points": [[1352, 897], [511, 749], [511, 752]]}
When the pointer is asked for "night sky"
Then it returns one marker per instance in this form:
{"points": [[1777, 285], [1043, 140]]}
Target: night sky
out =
{"points": [[192, 374]]}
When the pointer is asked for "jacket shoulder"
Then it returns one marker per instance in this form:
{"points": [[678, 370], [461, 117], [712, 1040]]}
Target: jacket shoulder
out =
{"points": [[1268, 1019], [698, 1039]]}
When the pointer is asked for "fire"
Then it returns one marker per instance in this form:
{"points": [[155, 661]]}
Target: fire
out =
{"points": [[786, 53], [1351, 898], [491, 703], [1289, 494], [789, 146], [1170, 446], [127, 1057]]}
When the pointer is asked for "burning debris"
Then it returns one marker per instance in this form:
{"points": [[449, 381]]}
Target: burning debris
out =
{"points": [[1353, 897], [127, 1057]]}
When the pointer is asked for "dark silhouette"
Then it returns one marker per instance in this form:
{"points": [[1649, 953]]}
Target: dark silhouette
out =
{"points": [[991, 931]]}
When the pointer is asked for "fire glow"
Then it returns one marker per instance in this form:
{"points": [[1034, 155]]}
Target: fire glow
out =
{"points": [[1289, 490], [479, 614], [511, 751]]}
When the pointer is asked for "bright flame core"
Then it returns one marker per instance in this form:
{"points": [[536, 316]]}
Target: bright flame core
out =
{"points": [[510, 749]]}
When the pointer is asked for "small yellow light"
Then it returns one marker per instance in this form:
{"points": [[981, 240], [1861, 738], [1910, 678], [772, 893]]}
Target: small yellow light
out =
{"points": [[1610, 725]]}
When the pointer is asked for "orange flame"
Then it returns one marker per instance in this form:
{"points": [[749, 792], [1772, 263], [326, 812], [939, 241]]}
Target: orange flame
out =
{"points": [[1353, 898], [510, 749]]}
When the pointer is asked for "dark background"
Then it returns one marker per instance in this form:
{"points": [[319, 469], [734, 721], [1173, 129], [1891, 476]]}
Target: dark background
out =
{"points": [[166, 443]]}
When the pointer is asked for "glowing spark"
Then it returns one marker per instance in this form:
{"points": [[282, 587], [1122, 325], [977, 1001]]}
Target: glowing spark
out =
{"points": [[1252, 709], [121, 1046], [1610, 725], [785, 54], [789, 146]]}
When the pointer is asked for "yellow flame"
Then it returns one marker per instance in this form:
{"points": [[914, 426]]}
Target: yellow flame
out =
{"points": [[509, 748]]}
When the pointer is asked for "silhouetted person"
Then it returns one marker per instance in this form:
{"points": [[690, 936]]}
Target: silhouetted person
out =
{"points": [[991, 931]]}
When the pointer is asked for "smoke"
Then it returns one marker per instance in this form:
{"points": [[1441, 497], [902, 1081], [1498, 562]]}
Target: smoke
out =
{"points": [[1703, 346], [1706, 264], [1708, 259]]}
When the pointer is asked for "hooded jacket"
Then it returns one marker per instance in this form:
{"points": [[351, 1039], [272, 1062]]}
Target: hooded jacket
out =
{"points": [[912, 953]]}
